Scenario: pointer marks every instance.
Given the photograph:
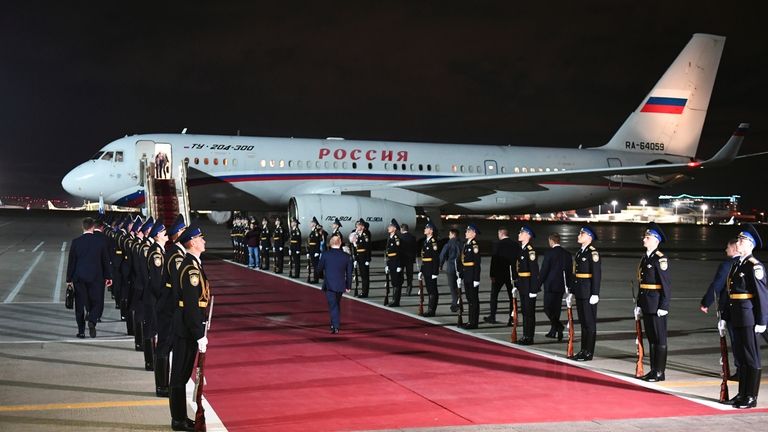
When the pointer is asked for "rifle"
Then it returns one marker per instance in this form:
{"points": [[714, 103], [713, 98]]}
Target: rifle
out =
{"points": [[386, 293], [290, 261], [513, 337], [460, 321], [725, 369], [357, 277], [310, 256], [200, 379], [421, 295], [569, 350], [639, 334]]}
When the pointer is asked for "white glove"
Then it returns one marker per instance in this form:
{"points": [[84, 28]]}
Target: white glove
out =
{"points": [[721, 328], [458, 282], [202, 344], [399, 269], [386, 270], [281, 249], [515, 292], [661, 312], [476, 284], [355, 264], [289, 252], [569, 300], [434, 276], [532, 295], [307, 256], [273, 249], [759, 328], [346, 250], [367, 263], [638, 313], [421, 276], [593, 299], [317, 255]]}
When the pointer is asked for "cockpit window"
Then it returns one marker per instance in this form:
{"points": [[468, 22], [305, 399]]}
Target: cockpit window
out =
{"points": [[118, 156], [97, 155], [107, 156]]}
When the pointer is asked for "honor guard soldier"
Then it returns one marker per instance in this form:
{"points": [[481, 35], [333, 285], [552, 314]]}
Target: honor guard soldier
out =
{"points": [[294, 249], [313, 246], [653, 300], [265, 244], [167, 303], [127, 271], [278, 242], [152, 292], [189, 321], [117, 258], [585, 288], [528, 283], [393, 266], [430, 267], [140, 275], [748, 311], [469, 270], [363, 257], [336, 231]]}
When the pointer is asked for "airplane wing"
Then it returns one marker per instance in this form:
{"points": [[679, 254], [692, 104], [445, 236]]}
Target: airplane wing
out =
{"points": [[459, 187]]}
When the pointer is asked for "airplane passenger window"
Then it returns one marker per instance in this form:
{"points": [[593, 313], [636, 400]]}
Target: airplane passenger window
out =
{"points": [[197, 161], [541, 170], [234, 162], [290, 164], [370, 165], [118, 156], [479, 169], [394, 167], [215, 161], [403, 167], [421, 167], [224, 162], [205, 161], [453, 167], [107, 156], [317, 164], [547, 170], [354, 165], [282, 163], [437, 167], [517, 169], [263, 163], [335, 164], [503, 170], [327, 164], [386, 165], [344, 165], [461, 168], [271, 163], [309, 164], [525, 170], [471, 168], [97, 155]]}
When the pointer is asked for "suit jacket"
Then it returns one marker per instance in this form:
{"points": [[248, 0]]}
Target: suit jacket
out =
{"points": [[450, 253], [409, 249], [337, 267], [717, 286], [88, 260], [556, 269], [502, 259]]}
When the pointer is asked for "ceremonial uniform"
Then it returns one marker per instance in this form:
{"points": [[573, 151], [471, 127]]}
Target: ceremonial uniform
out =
{"points": [[469, 269], [313, 249], [125, 243], [527, 268], [655, 293], [140, 252], [116, 258], [278, 242], [394, 267], [430, 259], [363, 260], [587, 274], [265, 245], [294, 251]]}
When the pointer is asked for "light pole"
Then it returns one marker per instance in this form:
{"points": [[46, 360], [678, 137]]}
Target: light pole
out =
{"points": [[613, 203], [704, 208], [677, 204], [643, 202]]}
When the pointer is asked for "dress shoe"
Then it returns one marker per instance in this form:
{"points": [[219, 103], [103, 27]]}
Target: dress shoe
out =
{"points": [[525, 341], [550, 334], [183, 425], [469, 326], [92, 329], [454, 308], [509, 322], [654, 376], [334, 331], [576, 356], [560, 335], [80, 335], [429, 314], [490, 320], [394, 305], [161, 392], [585, 356], [746, 402], [734, 377]]}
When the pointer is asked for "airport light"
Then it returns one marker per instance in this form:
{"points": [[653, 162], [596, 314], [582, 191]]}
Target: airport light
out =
{"points": [[677, 204], [643, 202], [613, 203], [704, 208]]}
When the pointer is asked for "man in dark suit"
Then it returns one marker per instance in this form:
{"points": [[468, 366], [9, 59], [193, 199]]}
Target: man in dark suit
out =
{"points": [[408, 258], [555, 270], [502, 271], [337, 267], [88, 270]]}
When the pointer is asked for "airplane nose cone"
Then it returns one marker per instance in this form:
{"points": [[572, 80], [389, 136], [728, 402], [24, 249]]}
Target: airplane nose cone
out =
{"points": [[82, 182], [68, 183]]}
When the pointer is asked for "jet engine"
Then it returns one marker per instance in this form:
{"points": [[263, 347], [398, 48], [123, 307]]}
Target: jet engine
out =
{"points": [[348, 209]]}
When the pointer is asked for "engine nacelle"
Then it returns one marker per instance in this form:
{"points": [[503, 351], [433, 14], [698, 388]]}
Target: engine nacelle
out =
{"points": [[326, 208]]}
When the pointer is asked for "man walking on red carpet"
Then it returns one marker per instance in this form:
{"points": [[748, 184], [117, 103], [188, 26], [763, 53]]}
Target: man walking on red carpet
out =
{"points": [[337, 267]]}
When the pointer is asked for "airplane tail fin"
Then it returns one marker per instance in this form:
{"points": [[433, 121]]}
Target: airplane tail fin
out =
{"points": [[670, 118]]}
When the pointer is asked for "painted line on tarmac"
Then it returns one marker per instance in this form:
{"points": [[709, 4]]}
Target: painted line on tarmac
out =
{"points": [[57, 287], [76, 341], [6, 224], [23, 279], [83, 405], [38, 246]]}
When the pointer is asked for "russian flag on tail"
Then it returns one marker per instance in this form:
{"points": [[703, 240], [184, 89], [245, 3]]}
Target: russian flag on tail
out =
{"points": [[665, 105]]}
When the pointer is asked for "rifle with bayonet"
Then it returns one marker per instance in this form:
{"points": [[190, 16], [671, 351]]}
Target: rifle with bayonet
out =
{"points": [[386, 287], [460, 321], [725, 370], [515, 293], [639, 336], [421, 295], [569, 308], [200, 378]]}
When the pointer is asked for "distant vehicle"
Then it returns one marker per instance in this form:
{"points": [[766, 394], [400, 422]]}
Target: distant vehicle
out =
{"points": [[335, 178]]}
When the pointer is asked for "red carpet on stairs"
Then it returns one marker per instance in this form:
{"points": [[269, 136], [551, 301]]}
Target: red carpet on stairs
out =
{"points": [[272, 364]]}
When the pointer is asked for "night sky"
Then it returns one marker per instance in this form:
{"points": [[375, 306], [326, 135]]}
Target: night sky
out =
{"points": [[77, 75]]}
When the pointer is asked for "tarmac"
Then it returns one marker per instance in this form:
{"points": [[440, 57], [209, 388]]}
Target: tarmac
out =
{"points": [[50, 380]]}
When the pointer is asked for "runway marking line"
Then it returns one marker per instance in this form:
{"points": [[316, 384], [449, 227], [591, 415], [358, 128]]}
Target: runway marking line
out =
{"points": [[83, 405], [38, 246], [59, 274], [23, 280]]}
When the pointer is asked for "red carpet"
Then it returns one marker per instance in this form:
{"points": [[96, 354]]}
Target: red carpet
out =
{"points": [[273, 365]]}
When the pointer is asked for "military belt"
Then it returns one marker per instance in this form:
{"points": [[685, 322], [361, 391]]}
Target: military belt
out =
{"points": [[294, 241], [740, 296], [312, 244], [201, 304], [167, 285], [392, 254], [119, 252], [467, 264], [524, 274], [650, 286], [361, 250], [426, 259], [275, 238], [583, 275]]}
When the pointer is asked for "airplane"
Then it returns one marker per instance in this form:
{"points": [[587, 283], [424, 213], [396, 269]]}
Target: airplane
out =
{"points": [[333, 178]]}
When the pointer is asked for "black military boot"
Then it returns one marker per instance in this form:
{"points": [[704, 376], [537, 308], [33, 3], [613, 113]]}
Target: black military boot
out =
{"points": [[588, 343], [751, 388], [161, 376], [432, 305], [651, 362], [178, 405], [660, 364], [138, 337], [149, 363], [742, 387]]}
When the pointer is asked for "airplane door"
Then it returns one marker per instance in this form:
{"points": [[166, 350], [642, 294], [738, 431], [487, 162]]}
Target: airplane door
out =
{"points": [[617, 181], [491, 168], [145, 151], [162, 159]]}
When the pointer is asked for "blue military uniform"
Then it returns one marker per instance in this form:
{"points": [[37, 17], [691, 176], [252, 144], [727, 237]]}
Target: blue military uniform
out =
{"points": [[337, 267], [747, 309], [587, 273], [363, 258], [527, 268], [469, 270], [430, 260], [393, 256], [265, 244], [294, 251], [654, 295], [314, 241], [278, 242]]}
